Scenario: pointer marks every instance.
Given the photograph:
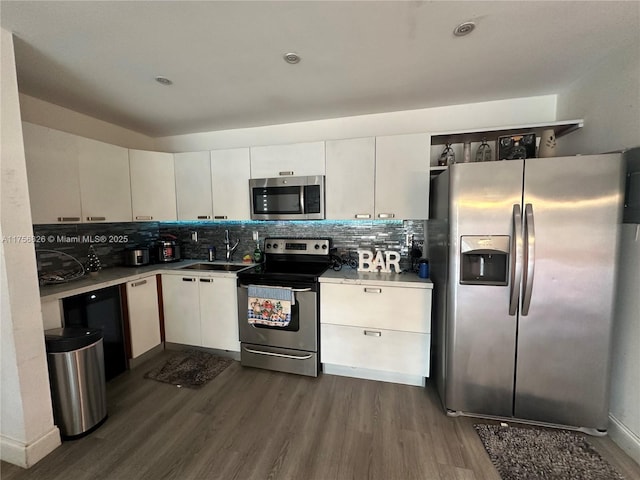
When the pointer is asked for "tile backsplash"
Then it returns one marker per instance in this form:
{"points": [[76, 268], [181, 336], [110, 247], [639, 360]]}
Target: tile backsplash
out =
{"points": [[110, 239]]}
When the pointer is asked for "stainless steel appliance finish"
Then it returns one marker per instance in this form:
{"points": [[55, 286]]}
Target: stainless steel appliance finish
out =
{"points": [[295, 264], [287, 198], [536, 347], [77, 385], [135, 257]]}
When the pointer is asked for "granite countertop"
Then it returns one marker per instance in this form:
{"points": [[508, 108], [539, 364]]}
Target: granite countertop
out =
{"points": [[353, 277], [117, 275]]}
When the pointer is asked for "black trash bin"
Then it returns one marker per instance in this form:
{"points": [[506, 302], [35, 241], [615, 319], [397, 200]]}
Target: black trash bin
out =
{"points": [[76, 375]]}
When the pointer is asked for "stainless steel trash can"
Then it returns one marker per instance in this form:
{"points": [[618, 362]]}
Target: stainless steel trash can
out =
{"points": [[76, 375]]}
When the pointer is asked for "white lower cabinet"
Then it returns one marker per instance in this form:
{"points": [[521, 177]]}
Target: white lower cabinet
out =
{"points": [[144, 315], [181, 304], [201, 311], [219, 313], [376, 331]]}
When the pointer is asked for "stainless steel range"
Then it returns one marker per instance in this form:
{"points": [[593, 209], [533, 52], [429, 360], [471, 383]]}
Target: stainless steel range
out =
{"points": [[278, 306]]}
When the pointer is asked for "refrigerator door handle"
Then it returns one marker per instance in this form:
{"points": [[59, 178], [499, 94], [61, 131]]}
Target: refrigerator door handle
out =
{"points": [[516, 259], [529, 255]]}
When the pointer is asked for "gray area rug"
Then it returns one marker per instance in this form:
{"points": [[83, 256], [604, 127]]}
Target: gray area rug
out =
{"points": [[538, 454], [190, 369]]}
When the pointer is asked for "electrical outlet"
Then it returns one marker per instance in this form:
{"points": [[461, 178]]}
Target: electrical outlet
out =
{"points": [[194, 237]]}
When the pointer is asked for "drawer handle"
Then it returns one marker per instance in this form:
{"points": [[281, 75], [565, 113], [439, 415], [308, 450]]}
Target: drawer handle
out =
{"points": [[363, 215], [186, 279], [373, 333], [207, 280], [282, 174], [204, 217], [220, 217], [144, 217], [68, 219], [137, 284], [96, 219], [373, 290], [386, 215]]}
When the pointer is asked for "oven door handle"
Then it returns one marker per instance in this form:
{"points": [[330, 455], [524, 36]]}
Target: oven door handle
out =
{"points": [[292, 289], [282, 355]]}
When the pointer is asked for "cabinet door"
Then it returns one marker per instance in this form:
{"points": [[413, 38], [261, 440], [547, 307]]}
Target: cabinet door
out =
{"points": [[144, 316], [193, 185], [230, 173], [219, 313], [375, 306], [402, 176], [181, 302], [299, 159], [105, 186], [52, 173], [350, 178], [378, 349], [153, 189]]}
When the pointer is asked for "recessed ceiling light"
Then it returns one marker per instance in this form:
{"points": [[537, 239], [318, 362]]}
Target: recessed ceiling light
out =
{"points": [[291, 58], [164, 81], [464, 29]]}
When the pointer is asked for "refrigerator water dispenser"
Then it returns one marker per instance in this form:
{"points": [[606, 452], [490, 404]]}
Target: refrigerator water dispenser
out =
{"points": [[484, 260]]}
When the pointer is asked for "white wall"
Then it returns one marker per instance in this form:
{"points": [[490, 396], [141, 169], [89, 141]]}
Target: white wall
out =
{"points": [[34, 110], [608, 98], [27, 432], [439, 119]]}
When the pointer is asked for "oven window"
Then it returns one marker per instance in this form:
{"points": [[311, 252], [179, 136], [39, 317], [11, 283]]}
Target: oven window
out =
{"points": [[276, 200], [294, 324]]}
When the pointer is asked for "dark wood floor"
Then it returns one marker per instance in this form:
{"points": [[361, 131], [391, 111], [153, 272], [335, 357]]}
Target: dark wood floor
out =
{"points": [[255, 424]]}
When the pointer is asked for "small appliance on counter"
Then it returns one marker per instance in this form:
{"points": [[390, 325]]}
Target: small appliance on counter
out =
{"points": [[166, 249], [136, 256]]}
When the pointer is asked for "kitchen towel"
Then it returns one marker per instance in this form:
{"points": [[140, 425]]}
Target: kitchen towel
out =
{"points": [[270, 305]]}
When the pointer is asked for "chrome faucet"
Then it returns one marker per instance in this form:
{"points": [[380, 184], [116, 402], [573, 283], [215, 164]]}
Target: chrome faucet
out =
{"points": [[227, 245]]}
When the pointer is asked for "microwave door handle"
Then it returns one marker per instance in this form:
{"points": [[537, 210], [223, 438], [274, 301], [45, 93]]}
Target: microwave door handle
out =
{"points": [[302, 204]]}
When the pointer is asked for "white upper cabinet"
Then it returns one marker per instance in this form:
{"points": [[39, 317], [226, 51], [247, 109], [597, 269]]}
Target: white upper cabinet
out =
{"points": [[230, 173], [299, 159], [153, 189], [350, 180], [402, 176], [193, 186], [52, 172], [105, 187]]}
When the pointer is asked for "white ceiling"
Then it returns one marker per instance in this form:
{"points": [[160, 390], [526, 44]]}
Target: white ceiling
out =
{"points": [[225, 58]]}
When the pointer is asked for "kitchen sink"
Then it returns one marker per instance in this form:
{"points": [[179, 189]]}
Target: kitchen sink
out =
{"points": [[218, 267]]}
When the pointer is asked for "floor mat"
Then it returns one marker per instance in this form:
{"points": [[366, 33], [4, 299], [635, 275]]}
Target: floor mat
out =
{"points": [[190, 369], [539, 454]]}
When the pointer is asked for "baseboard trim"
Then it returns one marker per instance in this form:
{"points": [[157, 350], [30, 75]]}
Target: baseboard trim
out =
{"points": [[341, 370], [26, 455], [624, 438]]}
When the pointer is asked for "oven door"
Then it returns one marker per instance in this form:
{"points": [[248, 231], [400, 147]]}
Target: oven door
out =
{"points": [[300, 334]]}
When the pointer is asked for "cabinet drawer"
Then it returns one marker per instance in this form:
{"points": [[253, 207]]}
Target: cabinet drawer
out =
{"points": [[385, 350], [392, 308]]}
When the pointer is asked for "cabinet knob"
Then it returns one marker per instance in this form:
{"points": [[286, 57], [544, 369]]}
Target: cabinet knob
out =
{"points": [[204, 217], [96, 219], [282, 174], [386, 215], [137, 284], [220, 217], [363, 215], [187, 279], [144, 217], [207, 280], [68, 219]]}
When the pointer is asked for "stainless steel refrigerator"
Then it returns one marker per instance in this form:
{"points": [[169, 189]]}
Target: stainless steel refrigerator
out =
{"points": [[523, 256]]}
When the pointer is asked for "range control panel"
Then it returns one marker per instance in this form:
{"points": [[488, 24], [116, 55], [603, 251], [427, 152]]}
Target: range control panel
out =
{"points": [[298, 246]]}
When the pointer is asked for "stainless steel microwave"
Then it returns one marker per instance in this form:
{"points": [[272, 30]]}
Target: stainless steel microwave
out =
{"points": [[287, 198]]}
